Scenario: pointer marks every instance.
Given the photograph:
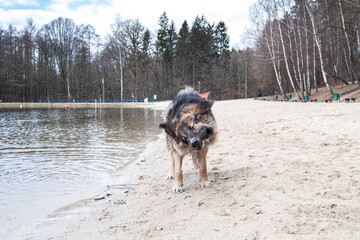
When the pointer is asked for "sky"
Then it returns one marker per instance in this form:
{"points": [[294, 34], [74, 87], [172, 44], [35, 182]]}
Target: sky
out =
{"points": [[101, 13]]}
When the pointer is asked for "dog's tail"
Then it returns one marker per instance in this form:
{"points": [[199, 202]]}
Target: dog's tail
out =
{"points": [[188, 89]]}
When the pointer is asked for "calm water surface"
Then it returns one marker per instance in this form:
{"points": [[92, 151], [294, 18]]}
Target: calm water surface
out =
{"points": [[52, 158]]}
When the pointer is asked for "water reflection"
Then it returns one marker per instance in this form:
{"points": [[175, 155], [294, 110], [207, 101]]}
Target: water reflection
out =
{"points": [[49, 158]]}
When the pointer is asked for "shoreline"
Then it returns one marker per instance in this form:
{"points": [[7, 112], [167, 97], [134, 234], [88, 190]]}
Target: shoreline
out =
{"points": [[70, 105], [70, 209], [63, 218], [279, 170]]}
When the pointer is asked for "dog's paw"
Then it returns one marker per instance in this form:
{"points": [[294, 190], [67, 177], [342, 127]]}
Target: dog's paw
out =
{"points": [[204, 184], [176, 189], [169, 176]]}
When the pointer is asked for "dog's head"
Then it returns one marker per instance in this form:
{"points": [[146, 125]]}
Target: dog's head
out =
{"points": [[194, 125]]}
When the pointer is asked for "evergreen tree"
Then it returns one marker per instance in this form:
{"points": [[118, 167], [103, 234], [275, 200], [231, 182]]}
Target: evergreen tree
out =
{"points": [[201, 47], [162, 35], [171, 44], [146, 41], [222, 69], [182, 53], [145, 64], [222, 38], [165, 45]]}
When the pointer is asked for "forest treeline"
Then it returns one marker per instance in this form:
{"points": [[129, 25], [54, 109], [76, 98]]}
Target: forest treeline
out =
{"points": [[62, 60], [306, 44], [297, 46]]}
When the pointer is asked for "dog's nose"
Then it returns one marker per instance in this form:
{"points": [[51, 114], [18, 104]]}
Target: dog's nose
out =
{"points": [[195, 143]]}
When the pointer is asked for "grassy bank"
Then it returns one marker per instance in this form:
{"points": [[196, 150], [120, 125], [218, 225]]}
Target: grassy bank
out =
{"points": [[322, 94]]}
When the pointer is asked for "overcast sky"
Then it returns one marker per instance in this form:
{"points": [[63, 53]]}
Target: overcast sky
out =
{"points": [[101, 13]]}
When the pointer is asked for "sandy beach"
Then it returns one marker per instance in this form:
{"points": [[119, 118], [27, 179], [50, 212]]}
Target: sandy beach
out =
{"points": [[280, 170]]}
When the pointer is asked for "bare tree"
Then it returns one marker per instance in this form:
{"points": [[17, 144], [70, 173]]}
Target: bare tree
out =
{"points": [[263, 15], [349, 55], [61, 33], [286, 62], [29, 57], [318, 45]]}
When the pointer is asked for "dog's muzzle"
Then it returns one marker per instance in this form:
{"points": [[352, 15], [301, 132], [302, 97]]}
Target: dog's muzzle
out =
{"points": [[196, 143]]}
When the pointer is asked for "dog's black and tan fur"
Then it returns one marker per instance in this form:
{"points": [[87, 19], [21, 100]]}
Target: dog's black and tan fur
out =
{"points": [[190, 128]]}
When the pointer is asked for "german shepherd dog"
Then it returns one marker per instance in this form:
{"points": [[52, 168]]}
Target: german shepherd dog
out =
{"points": [[190, 128]]}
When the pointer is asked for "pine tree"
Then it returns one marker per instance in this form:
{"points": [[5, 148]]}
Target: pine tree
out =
{"points": [[202, 51], [182, 54], [171, 44], [146, 41], [222, 38], [222, 52], [165, 46], [162, 35]]}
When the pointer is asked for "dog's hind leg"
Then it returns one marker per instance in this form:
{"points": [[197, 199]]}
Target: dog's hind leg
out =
{"points": [[201, 158]]}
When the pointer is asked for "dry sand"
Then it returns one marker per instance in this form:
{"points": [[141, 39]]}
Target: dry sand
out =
{"points": [[280, 170]]}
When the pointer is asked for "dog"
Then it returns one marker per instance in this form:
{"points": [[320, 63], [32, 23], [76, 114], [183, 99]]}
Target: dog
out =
{"points": [[190, 128]]}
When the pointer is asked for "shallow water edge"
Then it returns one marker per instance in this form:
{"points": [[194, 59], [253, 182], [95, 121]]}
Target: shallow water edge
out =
{"points": [[62, 219], [116, 177]]}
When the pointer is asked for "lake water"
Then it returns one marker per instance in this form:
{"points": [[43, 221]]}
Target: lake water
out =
{"points": [[52, 158]]}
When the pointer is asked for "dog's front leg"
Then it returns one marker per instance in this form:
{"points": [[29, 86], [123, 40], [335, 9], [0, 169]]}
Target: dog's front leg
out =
{"points": [[171, 171], [178, 177], [204, 180]]}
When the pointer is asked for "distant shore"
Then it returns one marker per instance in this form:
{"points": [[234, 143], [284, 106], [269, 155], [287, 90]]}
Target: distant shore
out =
{"points": [[70, 105], [345, 92]]}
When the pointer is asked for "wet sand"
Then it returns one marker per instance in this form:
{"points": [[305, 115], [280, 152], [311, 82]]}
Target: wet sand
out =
{"points": [[280, 170]]}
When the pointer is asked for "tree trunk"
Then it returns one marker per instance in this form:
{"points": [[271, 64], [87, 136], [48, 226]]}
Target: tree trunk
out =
{"points": [[353, 72], [317, 41], [301, 70], [286, 61], [121, 77], [272, 56], [298, 64], [68, 86], [314, 63], [292, 59], [348, 55], [307, 56]]}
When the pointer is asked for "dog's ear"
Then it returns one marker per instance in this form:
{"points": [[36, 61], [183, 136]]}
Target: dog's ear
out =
{"points": [[168, 129], [209, 104], [206, 105]]}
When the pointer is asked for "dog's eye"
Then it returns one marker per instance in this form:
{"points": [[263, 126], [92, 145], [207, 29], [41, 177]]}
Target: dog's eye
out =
{"points": [[191, 127], [200, 116], [185, 139]]}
